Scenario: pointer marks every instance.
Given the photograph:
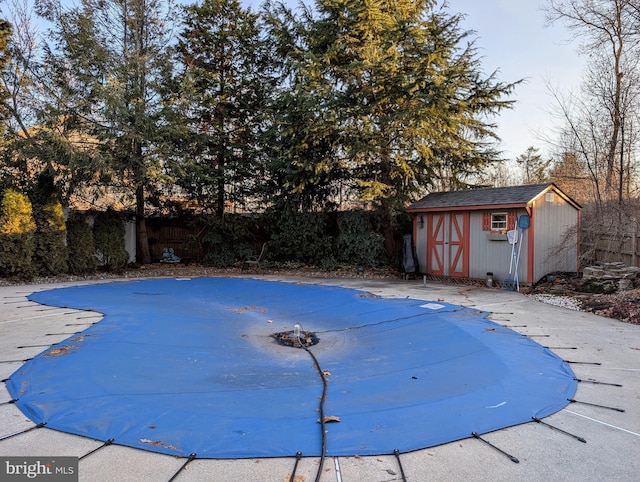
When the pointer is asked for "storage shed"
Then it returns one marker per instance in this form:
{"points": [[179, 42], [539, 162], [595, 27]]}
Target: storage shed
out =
{"points": [[470, 233]]}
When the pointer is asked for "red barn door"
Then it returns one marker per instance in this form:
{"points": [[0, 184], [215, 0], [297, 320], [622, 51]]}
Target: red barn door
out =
{"points": [[448, 244]]}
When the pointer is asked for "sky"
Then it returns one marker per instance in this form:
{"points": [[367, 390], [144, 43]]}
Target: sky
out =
{"points": [[513, 39]]}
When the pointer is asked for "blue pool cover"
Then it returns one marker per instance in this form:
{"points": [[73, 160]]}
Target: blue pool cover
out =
{"points": [[183, 366]]}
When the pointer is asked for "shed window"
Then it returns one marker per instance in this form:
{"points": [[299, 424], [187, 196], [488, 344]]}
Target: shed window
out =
{"points": [[498, 221]]}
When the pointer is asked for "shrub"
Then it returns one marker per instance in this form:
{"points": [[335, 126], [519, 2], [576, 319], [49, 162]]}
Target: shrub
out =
{"points": [[226, 241], [50, 239], [109, 239], [301, 236], [80, 245], [17, 243], [358, 241]]}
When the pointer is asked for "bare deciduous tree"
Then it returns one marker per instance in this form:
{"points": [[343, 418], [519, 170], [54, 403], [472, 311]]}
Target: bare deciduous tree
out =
{"points": [[20, 91], [600, 123]]}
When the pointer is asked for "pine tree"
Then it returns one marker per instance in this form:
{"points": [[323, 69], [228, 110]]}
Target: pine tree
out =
{"points": [[223, 88], [534, 167], [390, 98], [109, 63]]}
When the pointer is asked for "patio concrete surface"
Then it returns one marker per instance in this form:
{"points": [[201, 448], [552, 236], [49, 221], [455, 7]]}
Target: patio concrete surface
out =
{"points": [[604, 355]]}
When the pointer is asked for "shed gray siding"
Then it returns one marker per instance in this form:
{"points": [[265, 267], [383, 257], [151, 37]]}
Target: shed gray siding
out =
{"points": [[492, 253], [555, 236]]}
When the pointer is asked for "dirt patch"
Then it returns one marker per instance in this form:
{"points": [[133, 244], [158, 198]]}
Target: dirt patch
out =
{"points": [[624, 306], [157, 443], [63, 350]]}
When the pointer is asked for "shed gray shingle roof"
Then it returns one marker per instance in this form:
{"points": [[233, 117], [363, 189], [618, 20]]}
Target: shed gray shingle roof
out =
{"points": [[481, 196]]}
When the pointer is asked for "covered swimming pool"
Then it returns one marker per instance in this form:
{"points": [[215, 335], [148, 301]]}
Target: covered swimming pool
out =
{"points": [[194, 366]]}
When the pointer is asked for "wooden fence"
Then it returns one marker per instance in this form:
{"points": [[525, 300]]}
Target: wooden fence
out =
{"points": [[174, 233], [606, 246]]}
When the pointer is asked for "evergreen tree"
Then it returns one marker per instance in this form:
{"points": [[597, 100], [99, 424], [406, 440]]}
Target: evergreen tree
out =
{"points": [[534, 167], [82, 251], [17, 229], [223, 89], [51, 249], [308, 169], [109, 62], [391, 96]]}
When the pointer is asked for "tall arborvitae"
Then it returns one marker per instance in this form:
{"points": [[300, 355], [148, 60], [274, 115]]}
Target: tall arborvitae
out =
{"points": [[51, 248], [17, 230], [109, 239], [82, 251]]}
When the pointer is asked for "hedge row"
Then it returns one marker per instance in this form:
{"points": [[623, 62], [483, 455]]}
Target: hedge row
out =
{"points": [[36, 240], [325, 240]]}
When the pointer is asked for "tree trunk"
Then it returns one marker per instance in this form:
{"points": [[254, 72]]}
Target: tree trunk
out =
{"points": [[143, 254], [221, 184], [386, 204]]}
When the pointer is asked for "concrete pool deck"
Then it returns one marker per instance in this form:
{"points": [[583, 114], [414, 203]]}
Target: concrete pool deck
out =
{"points": [[604, 355]]}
